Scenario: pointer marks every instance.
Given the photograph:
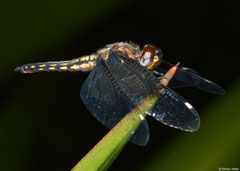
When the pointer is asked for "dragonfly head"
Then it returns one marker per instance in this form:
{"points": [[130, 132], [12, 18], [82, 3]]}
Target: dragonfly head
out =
{"points": [[150, 56]]}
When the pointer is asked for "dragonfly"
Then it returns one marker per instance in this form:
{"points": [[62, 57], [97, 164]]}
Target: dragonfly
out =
{"points": [[122, 75]]}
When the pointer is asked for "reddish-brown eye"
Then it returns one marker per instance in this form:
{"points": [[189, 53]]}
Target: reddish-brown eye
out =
{"points": [[149, 57]]}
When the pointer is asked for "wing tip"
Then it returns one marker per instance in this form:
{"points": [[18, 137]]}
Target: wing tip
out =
{"points": [[216, 89], [197, 126], [221, 91]]}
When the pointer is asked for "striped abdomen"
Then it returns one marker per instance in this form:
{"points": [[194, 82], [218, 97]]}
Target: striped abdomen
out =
{"points": [[85, 63]]}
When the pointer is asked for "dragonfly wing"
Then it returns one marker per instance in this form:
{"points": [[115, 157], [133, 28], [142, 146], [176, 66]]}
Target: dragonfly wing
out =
{"points": [[189, 77], [174, 111], [107, 105]]}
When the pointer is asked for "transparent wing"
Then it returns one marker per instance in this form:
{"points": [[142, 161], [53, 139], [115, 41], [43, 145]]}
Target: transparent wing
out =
{"points": [[107, 105], [189, 77], [174, 111]]}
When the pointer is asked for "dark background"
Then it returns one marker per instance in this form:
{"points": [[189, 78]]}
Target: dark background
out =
{"points": [[43, 122]]}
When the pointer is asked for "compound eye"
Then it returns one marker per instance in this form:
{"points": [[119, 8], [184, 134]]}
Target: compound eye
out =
{"points": [[147, 56], [150, 57]]}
